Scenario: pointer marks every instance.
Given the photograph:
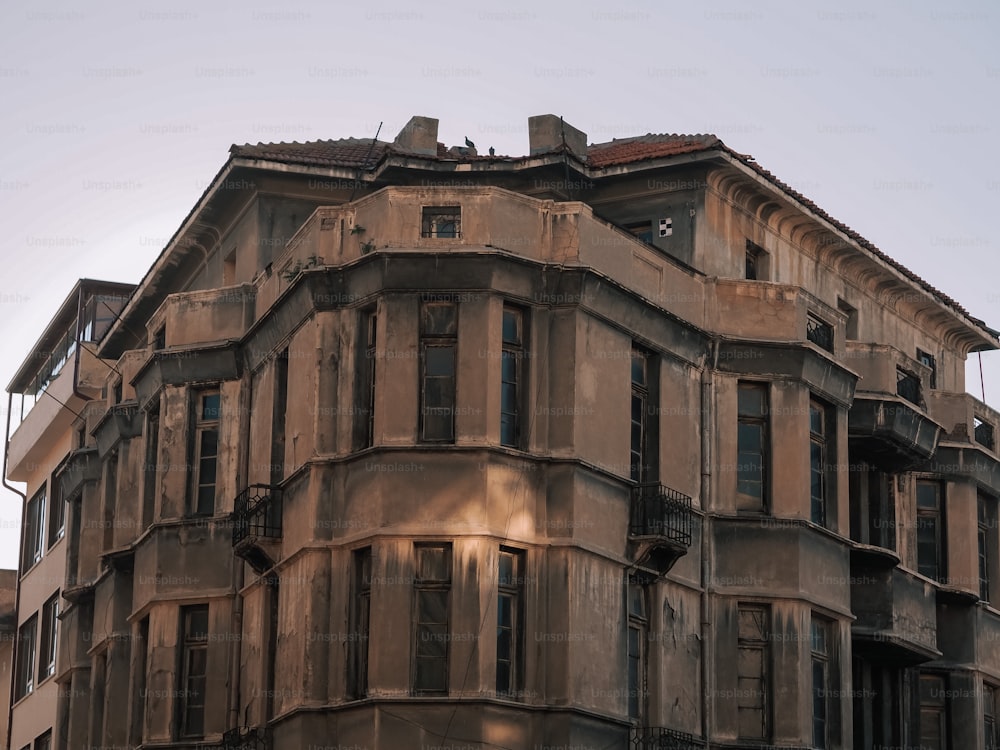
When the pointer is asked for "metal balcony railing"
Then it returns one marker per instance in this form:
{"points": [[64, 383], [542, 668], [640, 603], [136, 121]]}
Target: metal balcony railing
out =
{"points": [[660, 511], [983, 433], [661, 738], [820, 333], [908, 386], [257, 513], [246, 738]]}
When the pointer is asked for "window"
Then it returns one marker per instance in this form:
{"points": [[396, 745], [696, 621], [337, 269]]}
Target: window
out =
{"points": [[638, 634], [753, 446], [851, 313], [987, 543], [194, 669], [908, 386], [438, 345], [24, 677], [991, 738], [50, 635], [140, 665], [442, 221], [930, 530], [933, 712], [57, 514], [160, 338], [278, 411], [644, 442], [44, 741], [360, 628], [432, 584], [820, 448], [753, 672], [873, 507], [206, 440], [510, 598], [110, 501], [511, 376], [117, 392], [928, 359], [366, 380], [151, 471], [34, 530], [642, 230], [756, 263], [824, 706]]}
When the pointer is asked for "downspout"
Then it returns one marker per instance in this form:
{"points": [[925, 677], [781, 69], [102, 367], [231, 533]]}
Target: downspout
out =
{"points": [[707, 498], [17, 578], [236, 647]]}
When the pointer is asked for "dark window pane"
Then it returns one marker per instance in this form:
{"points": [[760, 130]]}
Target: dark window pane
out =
{"points": [[511, 327], [440, 360], [210, 404]]}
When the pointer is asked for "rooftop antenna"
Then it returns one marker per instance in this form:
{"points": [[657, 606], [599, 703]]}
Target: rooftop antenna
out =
{"points": [[364, 164]]}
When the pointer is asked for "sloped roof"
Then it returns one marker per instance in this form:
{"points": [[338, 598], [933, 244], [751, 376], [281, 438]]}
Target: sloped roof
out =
{"points": [[366, 153]]}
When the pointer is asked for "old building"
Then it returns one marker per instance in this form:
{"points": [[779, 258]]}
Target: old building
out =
{"points": [[626, 445], [60, 380]]}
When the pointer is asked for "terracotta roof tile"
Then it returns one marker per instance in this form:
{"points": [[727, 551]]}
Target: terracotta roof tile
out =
{"points": [[649, 146], [346, 152]]}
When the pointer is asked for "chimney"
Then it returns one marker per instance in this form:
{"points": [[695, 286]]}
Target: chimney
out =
{"points": [[547, 133], [418, 136]]}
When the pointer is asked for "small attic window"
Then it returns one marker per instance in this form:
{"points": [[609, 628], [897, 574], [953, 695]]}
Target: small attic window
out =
{"points": [[441, 222], [642, 230]]}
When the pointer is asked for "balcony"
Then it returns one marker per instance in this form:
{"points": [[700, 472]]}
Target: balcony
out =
{"points": [[83, 466], [896, 615], [245, 738], [819, 332], [661, 738], [660, 524], [256, 520]]}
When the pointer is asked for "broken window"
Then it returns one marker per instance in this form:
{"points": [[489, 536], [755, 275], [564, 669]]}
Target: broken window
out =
{"points": [[753, 672], [441, 222]]}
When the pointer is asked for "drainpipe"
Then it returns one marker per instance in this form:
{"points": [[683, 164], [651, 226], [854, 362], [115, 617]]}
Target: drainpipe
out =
{"points": [[236, 646], [17, 576], [707, 434]]}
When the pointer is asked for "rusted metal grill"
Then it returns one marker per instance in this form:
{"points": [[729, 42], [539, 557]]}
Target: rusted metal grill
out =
{"points": [[661, 738], [257, 513], [661, 511]]}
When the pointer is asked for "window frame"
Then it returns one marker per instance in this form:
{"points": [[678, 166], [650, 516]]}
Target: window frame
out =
{"points": [[756, 266], [367, 371], [34, 529], [56, 522], [822, 658], [435, 219], [512, 365], [991, 710], [636, 649], [190, 644], [430, 340], [988, 545], [937, 514], [423, 632], [360, 637], [930, 361], [24, 665], [511, 589], [822, 442], [762, 646], [199, 428], [760, 503], [48, 646], [927, 709]]}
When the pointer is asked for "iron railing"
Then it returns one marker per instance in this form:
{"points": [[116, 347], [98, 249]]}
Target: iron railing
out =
{"points": [[660, 511], [661, 738], [257, 513], [983, 433], [908, 386], [246, 738], [819, 333]]}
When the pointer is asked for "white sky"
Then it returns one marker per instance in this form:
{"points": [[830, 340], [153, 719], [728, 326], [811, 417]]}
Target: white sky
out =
{"points": [[115, 117]]}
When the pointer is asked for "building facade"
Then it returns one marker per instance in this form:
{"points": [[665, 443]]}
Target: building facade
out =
{"points": [[626, 445]]}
